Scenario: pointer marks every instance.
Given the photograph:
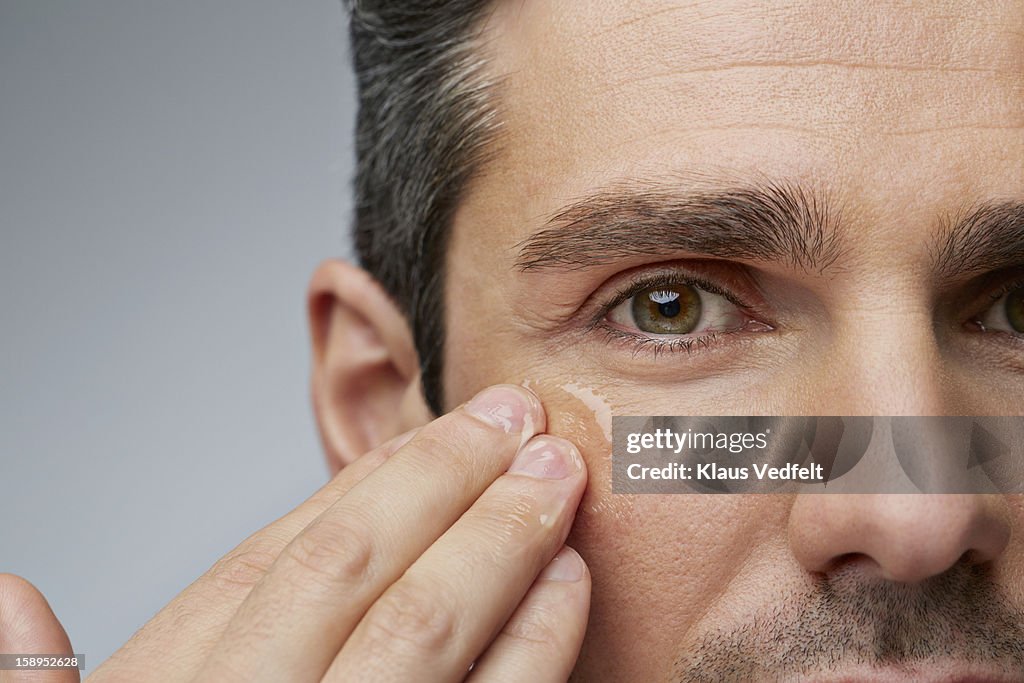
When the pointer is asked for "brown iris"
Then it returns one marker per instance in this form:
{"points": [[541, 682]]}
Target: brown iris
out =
{"points": [[1015, 309], [674, 309]]}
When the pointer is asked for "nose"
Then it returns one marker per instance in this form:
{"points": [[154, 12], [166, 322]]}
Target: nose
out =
{"points": [[890, 363], [887, 363], [902, 538]]}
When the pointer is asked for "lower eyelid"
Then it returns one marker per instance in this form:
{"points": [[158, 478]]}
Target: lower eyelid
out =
{"points": [[749, 324], [641, 342], [694, 343]]}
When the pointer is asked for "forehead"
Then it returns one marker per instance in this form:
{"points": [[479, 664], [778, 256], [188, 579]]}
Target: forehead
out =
{"points": [[878, 97]]}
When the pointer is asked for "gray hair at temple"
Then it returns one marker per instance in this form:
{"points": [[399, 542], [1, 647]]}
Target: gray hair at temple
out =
{"points": [[424, 123]]}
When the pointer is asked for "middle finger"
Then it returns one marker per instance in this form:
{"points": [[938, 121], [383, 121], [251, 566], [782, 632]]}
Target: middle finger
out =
{"points": [[295, 620]]}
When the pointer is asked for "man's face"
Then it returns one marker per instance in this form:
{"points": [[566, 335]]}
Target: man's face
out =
{"points": [[834, 182]]}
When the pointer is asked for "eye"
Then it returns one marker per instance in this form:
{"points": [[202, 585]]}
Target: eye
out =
{"points": [[677, 309], [1006, 314]]}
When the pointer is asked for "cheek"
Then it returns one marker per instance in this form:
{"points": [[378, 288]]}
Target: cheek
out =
{"points": [[656, 558], [583, 415], [655, 577], [577, 412]]}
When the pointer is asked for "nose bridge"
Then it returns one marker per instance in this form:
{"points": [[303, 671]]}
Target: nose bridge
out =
{"points": [[887, 361]]}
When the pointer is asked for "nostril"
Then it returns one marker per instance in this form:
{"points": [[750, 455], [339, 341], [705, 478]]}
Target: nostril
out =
{"points": [[972, 557], [852, 562], [897, 538]]}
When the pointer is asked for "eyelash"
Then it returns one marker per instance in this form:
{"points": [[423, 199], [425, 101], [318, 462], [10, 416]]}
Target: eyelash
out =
{"points": [[654, 345], [1006, 289], [694, 344], [1002, 290]]}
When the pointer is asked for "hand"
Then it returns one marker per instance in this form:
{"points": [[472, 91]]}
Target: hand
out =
{"points": [[28, 626], [426, 555]]}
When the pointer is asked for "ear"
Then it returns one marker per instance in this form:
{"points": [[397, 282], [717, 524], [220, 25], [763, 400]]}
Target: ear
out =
{"points": [[366, 380]]}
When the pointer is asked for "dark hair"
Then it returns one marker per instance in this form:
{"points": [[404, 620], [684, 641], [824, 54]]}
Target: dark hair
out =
{"points": [[423, 124]]}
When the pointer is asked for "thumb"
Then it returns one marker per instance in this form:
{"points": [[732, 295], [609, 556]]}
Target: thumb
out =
{"points": [[29, 626]]}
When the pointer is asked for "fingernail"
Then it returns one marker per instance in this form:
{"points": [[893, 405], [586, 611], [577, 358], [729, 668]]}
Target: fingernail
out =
{"points": [[547, 457], [506, 407], [567, 566]]}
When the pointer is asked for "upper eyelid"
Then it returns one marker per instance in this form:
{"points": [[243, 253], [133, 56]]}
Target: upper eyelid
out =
{"points": [[987, 295], [997, 284], [995, 297], [664, 275], [626, 284], [1006, 289]]}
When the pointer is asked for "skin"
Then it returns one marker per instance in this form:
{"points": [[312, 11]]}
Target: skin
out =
{"points": [[28, 625], [406, 566], [902, 115]]}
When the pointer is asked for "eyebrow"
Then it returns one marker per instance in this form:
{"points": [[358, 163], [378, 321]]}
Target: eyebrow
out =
{"points": [[987, 237], [771, 222]]}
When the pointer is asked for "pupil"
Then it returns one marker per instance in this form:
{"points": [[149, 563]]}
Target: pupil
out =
{"points": [[669, 309]]}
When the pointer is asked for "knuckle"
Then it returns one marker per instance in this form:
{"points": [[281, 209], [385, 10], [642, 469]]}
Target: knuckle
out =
{"points": [[334, 552], [535, 626], [517, 519], [447, 439], [520, 511], [243, 567], [410, 616], [453, 449]]}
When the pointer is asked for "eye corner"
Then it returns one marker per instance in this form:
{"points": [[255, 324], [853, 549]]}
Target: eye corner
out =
{"points": [[1004, 312]]}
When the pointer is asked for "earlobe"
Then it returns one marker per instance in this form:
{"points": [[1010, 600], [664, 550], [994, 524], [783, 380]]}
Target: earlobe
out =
{"points": [[365, 374]]}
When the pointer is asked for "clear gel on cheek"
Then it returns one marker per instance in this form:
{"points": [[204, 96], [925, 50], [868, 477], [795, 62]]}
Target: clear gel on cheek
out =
{"points": [[598, 405], [584, 416]]}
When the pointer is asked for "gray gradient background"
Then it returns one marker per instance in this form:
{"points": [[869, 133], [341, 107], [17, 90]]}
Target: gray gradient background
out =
{"points": [[170, 174]]}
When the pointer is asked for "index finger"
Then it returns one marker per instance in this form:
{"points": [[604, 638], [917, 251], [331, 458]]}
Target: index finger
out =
{"points": [[331, 573]]}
